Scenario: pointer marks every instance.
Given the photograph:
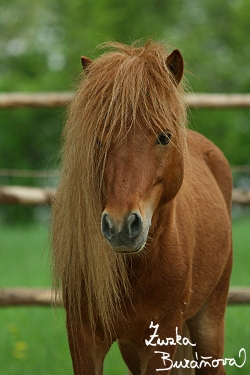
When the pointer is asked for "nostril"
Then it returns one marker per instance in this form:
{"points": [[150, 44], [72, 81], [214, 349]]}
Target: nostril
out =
{"points": [[134, 225], [107, 227], [121, 235]]}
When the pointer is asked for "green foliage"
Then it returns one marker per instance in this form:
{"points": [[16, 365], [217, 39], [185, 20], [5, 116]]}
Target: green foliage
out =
{"points": [[41, 44], [229, 129]]}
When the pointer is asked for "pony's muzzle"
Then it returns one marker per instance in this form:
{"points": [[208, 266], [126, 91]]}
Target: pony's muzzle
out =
{"points": [[123, 236]]}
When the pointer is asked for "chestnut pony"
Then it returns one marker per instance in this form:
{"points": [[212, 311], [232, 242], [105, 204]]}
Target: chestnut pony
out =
{"points": [[141, 221]]}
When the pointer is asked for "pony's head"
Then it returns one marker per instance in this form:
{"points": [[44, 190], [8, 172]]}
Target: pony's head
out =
{"points": [[122, 162], [143, 159]]}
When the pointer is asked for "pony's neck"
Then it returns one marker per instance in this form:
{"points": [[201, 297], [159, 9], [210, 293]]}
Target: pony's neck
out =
{"points": [[163, 218]]}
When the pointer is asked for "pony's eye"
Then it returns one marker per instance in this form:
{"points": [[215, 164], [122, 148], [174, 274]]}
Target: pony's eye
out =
{"points": [[163, 138]]}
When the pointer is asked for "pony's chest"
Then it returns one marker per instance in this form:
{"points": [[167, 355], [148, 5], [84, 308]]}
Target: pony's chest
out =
{"points": [[158, 297]]}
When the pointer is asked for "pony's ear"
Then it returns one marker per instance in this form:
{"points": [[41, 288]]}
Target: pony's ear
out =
{"points": [[85, 62], [175, 64]]}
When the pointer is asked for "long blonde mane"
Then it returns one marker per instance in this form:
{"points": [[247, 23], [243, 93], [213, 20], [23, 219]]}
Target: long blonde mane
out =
{"points": [[129, 86]]}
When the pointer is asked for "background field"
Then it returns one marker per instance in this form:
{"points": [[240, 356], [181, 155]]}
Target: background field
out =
{"points": [[33, 340]]}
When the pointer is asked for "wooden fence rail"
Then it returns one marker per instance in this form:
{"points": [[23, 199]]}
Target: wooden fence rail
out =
{"points": [[40, 100], [60, 99], [47, 297], [38, 196], [23, 195]]}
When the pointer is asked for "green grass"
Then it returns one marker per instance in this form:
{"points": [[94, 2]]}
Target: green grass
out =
{"points": [[238, 317], [33, 340]]}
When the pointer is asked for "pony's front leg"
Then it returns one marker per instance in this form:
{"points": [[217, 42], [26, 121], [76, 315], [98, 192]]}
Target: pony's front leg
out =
{"points": [[158, 359], [207, 328], [87, 350], [158, 351]]}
